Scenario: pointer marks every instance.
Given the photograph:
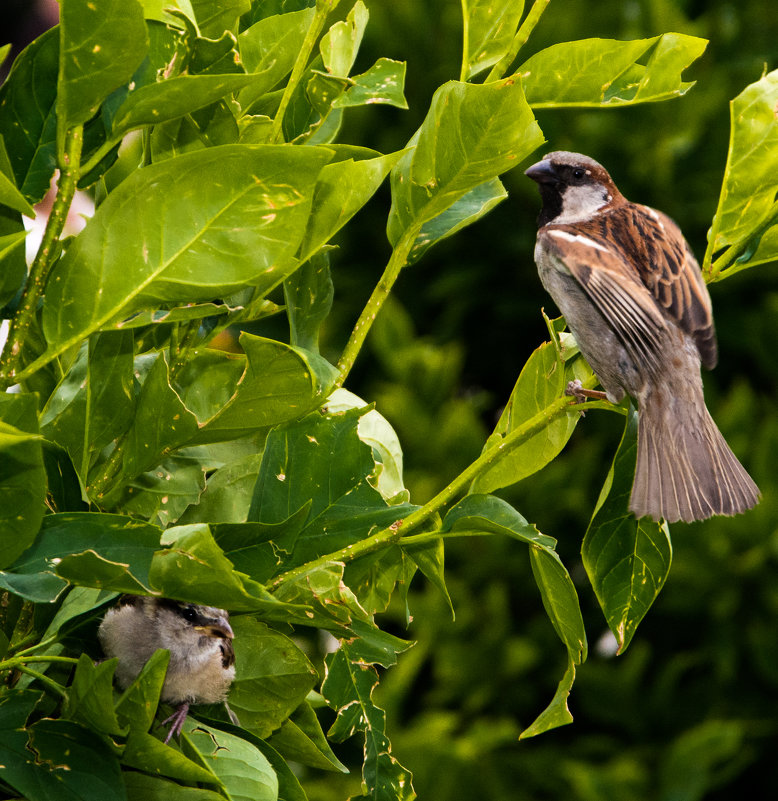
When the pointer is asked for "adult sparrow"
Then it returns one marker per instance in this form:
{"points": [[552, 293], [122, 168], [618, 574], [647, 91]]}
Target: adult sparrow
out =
{"points": [[199, 638], [632, 293]]}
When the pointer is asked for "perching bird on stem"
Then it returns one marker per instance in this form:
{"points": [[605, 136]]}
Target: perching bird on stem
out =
{"points": [[633, 295]]}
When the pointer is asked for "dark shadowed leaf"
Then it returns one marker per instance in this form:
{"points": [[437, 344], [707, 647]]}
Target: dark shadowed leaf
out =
{"points": [[348, 689], [627, 560], [22, 477], [27, 120], [273, 676]]}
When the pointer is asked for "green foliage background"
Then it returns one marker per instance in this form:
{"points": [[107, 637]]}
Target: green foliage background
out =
{"points": [[687, 712]]}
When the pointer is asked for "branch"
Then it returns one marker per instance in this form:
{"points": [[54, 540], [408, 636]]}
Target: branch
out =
{"points": [[399, 532], [70, 171]]}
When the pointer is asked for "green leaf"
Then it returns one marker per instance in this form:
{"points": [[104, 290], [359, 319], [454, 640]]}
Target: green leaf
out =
{"points": [[489, 30], [322, 461], [487, 514], [141, 787], [13, 270], [216, 16], [348, 688], [342, 189], [627, 560], [308, 293], [38, 587], [74, 762], [301, 739], [479, 514], [22, 477], [10, 196], [273, 677], [192, 567], [212, 222], [145, 752], [138, 704], [90, 696], [97, 550], [156, 9], [560, 600], [173, 98], [281, 383], [340, 45], [556, 713], [747, 200], [227, 494], [27, 117], [100, 49], [542, 381], [245, 771], [162, 494], [161, 422], [471, 134], [468, 209], [383, 83], [268, 50], [93, 403], [607, 72]]}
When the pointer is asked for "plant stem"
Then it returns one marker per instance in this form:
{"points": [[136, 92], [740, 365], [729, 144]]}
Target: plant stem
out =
{"points": [[43, 679], [70, 171], [400, 530], [465, 48], [319, 18], [715, 272], [397, 261], [519, 40]]}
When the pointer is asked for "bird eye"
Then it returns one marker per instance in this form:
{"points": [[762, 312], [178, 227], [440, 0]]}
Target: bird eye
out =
{"points": [[189, 614], [578, 173]]}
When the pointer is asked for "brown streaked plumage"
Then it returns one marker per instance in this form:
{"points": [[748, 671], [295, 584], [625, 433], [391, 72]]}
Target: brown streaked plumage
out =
{"points": [[199, 638], [634, 297]]}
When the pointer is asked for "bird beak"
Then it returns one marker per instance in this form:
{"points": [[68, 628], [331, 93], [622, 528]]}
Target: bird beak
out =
{"points": [[217, 627], [543, 172]]}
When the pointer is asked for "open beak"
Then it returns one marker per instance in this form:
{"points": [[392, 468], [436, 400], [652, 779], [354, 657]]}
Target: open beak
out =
{"points": [[217, 627], [543, 173]]}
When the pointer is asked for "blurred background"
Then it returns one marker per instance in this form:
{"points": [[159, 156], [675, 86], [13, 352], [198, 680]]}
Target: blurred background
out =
{"points": [[690, 711]]}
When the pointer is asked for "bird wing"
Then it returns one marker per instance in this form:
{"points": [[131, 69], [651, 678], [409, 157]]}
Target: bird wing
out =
{"points": [[614, 288], [654, 250]]}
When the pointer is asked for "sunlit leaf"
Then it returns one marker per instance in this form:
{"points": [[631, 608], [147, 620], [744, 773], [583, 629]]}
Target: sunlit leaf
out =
{"points": [[100, 48], [212, 222], [607, 72], [542, 380], [557, 712], [747, 202], [489, 29], [472, 134]]}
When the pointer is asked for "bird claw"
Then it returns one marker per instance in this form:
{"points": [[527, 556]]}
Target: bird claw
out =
{"points": [[176, 721], [576, 389]]}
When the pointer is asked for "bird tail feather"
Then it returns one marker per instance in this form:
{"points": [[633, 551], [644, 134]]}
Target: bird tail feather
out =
{"points": [[685, 469]]}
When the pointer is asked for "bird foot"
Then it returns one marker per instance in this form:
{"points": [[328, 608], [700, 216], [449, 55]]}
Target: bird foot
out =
{"points": [[176, 721], [576, 390]]}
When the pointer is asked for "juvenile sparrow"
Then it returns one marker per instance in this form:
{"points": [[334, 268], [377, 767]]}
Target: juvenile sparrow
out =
{"points": [[633, 295], [199, 638]]}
